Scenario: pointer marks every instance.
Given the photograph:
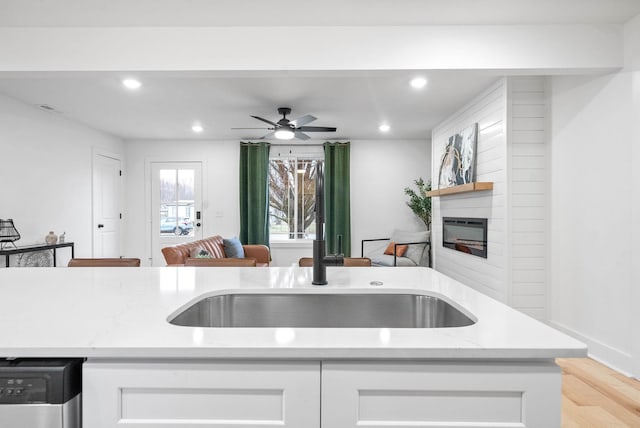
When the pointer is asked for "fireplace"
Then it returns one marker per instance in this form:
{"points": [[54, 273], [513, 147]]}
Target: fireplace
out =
{"points": [[467, 235]]}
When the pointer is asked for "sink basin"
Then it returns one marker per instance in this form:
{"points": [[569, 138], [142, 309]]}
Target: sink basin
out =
{"points": [[322, 311]]}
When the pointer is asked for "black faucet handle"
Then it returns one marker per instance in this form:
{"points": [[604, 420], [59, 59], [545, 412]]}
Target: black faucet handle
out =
{"points": [[333, 260]]}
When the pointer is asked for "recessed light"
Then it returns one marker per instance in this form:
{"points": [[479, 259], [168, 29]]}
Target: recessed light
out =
{"points": [[197, 128], [384, 128], [418, 82], [132, 84]]}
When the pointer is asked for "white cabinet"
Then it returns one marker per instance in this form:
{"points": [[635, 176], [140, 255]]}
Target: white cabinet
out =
{"points": [[384, 394], [439, 395], [201, 394]]}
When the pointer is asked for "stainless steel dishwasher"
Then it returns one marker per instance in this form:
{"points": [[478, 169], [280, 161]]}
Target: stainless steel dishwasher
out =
{"points": [[41, 392]]}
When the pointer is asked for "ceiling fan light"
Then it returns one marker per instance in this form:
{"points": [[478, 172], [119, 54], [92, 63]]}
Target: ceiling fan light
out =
{"points": [[284, 134]]}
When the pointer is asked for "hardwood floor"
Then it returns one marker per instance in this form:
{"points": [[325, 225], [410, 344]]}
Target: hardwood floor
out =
{"points": [[594, 395]]}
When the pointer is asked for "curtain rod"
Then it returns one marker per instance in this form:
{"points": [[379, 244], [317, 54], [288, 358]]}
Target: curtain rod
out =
{"points": [[294, 145], [305, 145]]}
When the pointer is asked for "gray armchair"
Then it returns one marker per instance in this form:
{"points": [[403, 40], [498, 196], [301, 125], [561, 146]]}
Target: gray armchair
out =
{"points": [[418, 252]]}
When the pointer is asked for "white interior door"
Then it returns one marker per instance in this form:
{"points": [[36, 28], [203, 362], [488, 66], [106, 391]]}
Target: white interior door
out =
{"points": [[176, 205], [107, 216]]}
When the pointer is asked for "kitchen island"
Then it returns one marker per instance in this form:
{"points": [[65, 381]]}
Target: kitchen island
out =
{"points": [[143, 371]]}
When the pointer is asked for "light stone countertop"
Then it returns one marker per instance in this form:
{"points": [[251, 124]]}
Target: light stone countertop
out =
{"points": [[122, 313]]}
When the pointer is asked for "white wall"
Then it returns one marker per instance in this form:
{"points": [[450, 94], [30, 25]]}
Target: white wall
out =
{"points": [[591, 211], [595, 209], [632, 45], [527, 201], [488, 275], [379, 172], [511, 153], [220, 175], [46, 174]]}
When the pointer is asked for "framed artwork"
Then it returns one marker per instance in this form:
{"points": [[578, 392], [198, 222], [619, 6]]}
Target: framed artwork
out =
{"points": [[458, 163]]}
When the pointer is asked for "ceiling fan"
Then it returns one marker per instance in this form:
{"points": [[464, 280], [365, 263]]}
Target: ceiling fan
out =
{"points": [[286, 129]]}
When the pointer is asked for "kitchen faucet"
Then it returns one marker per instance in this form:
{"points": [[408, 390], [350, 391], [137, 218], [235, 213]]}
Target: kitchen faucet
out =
{"points": [[320, 259]]}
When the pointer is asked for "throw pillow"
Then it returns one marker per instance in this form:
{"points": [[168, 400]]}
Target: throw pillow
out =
{"points": [[199, 253], [400, 249], [233, 248], [414, 252]]}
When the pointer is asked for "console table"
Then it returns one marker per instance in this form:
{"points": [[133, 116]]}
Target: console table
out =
{"points": [[6, 252]]}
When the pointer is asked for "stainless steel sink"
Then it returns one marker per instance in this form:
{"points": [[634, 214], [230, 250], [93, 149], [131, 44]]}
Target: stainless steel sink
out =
{"points": [[322, 311]]}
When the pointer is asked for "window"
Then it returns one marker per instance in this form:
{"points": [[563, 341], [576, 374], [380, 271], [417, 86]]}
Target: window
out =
{"points": [[292, 193], [176, 202]]}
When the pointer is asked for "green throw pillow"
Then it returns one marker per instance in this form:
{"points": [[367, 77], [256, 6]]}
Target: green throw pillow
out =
{"points": [[200, 253]]}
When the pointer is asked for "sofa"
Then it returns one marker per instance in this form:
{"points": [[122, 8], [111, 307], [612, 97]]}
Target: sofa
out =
{"points": [[214, 246]]}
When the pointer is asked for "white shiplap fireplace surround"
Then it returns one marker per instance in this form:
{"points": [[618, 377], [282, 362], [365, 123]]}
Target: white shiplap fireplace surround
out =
{"points": [[511, 153]]}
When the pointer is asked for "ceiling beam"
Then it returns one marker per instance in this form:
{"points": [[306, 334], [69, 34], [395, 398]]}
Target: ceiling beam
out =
{"points": [[542, 49]]}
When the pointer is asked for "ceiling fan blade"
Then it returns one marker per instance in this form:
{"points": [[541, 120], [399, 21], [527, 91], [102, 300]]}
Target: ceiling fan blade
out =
{"points": [[269, 135], [307, 118], [300, 136], [265, 120], [316, 129], [252, 128]]}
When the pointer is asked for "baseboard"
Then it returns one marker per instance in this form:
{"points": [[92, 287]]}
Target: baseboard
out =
{"points": [[614, 358]]}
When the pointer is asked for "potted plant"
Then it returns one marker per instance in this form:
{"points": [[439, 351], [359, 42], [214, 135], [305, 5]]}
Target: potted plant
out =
{"points": [[419, 202]]}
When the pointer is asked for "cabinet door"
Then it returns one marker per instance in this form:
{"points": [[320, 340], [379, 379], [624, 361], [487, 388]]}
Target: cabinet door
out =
{"points": [[439, 395], [201, 394]]}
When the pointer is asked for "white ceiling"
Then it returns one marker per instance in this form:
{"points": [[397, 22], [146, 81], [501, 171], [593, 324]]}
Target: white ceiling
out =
{"points": [[311, 12], [168, 104], [354, 102]]}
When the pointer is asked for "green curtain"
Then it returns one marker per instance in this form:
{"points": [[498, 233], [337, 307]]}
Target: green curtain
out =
{"points": [[254, 193], [337, 197]]}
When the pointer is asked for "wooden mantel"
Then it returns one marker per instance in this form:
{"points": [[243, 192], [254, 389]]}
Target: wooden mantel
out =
{"points": [[464, 188]]}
